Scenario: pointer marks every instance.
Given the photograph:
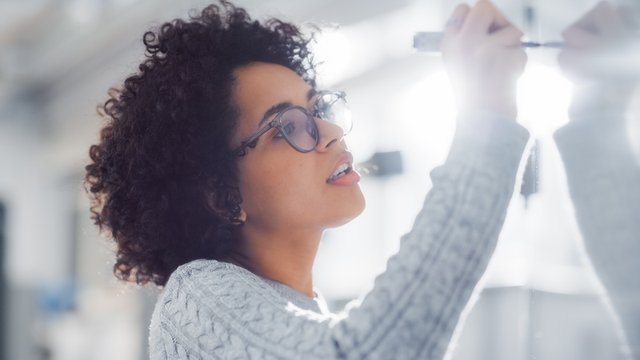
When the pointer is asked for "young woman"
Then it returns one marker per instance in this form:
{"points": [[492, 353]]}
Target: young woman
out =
{"points": [[221, 164]]}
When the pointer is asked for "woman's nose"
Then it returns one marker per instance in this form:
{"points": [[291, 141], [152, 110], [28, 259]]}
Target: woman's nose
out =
{"points": [[328, 133]]}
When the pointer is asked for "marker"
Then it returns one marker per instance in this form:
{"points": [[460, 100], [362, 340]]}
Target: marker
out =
{"points": [[429, 41]]}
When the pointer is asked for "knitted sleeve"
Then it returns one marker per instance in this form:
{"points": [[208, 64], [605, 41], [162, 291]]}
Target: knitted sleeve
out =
{"points": [[604, 183], [214, 311]]}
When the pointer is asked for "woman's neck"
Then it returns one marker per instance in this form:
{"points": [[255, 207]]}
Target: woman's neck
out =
{"points": [[286, 257]]}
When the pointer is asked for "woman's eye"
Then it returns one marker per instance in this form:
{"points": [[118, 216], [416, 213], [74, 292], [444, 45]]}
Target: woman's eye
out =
{"points": [[290, 128], [311, 129], [286, 130]]}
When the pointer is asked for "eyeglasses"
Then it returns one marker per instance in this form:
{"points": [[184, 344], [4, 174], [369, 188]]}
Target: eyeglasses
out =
{"points": [[298, 127]]}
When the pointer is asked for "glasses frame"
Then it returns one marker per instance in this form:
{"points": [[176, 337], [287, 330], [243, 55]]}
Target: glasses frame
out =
{"points": [[252, 141]]}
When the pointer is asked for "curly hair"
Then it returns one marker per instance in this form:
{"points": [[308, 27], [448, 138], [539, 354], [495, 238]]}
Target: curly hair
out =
{"points": [[162, 181]]}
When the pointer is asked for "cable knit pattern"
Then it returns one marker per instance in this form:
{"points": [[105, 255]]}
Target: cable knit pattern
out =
{"points": [[216, 310]]}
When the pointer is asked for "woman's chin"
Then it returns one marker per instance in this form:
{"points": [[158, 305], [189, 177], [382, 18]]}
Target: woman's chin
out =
{"points": [[350, 211]]}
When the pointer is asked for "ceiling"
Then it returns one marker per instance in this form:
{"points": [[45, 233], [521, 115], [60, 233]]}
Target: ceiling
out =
{"points": [[42, 41]]}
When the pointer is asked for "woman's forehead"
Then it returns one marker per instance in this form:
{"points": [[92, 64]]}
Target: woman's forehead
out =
{"points": [[260, 86], [263, 82]]}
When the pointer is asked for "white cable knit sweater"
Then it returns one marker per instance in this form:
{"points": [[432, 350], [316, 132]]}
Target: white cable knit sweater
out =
{"points": [[215, 310]]}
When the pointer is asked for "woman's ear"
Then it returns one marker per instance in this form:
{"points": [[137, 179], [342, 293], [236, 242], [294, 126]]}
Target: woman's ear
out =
{"points": [[243, 216], [221, 208]]}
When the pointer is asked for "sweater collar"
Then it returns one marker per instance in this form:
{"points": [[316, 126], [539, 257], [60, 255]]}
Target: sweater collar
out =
{"points": [[299, 299]]}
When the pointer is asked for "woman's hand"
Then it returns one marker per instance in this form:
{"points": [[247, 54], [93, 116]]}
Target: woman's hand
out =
{"points": [[482, 54], [599, 57]]}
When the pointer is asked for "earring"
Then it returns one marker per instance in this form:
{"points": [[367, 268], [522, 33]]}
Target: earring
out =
{"points": [[243, 216], [237, 216]]}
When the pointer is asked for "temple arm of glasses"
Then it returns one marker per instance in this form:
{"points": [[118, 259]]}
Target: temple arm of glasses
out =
{"points": [[252, 141]]}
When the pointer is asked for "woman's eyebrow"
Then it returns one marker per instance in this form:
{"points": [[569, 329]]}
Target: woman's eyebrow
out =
{"points": [[273, 110], [283, 105], [311, 93]]}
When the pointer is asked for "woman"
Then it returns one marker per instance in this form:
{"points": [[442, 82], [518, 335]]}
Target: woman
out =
{"points": [[221, 165]]}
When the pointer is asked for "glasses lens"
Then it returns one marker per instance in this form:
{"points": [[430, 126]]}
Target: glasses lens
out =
{"points": [[299, 129], [332, 107]]}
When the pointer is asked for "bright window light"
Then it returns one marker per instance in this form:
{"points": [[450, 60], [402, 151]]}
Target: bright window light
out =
{"points": [[429, 107], [543, 99], [333, 52], [426, 113]]}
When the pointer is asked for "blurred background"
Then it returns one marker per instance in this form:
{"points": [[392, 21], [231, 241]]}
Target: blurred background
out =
{"points": [[58, 297]]}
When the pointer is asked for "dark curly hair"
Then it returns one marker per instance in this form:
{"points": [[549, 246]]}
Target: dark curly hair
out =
{"points": [[162, 181]]}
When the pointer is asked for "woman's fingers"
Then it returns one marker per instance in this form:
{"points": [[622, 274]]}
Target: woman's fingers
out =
{"points": [[499, 20], [484, 18], [508, 36], [457, 18], [483, 58], [518, 57], [479, 20]]}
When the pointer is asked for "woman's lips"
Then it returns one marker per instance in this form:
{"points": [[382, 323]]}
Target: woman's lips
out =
{"points": [[351, 177], [343, 173]]}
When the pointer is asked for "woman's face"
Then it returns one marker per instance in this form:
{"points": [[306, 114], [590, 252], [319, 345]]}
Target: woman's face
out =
{"points": [[282, 188]]}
